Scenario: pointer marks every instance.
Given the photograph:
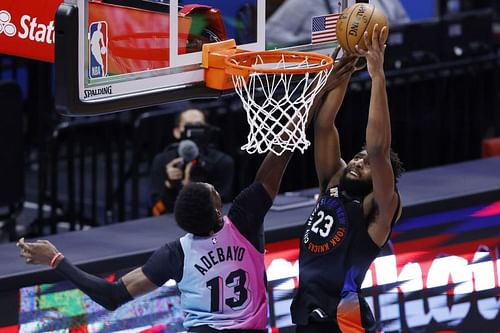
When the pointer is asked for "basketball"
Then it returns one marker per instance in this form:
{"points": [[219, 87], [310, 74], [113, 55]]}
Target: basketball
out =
{"points": [[354, 21]]}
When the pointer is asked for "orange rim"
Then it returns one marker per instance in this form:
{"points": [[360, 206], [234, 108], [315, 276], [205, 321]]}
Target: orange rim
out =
{"points": [[242, 63]]}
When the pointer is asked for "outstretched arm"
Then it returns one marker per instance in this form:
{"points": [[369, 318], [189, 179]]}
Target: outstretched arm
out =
{"points": [[271, 172], [273, 167], [108, 294], [326, 138], [378, 134]]}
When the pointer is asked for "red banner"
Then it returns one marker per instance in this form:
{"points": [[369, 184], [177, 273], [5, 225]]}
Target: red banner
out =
{"points": [[27, 28]]}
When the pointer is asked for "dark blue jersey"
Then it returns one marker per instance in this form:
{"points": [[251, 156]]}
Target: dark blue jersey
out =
{"points": [[335, 254]]}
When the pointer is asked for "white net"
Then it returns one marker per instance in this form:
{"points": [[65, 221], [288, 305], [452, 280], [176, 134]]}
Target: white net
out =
{"points": [[277, 105]]}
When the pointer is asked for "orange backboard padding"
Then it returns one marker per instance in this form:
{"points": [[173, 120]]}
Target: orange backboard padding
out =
{"points": [[213, 61]]}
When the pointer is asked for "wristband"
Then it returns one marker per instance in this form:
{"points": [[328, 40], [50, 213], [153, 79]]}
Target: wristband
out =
{"points": [[54, 259]]}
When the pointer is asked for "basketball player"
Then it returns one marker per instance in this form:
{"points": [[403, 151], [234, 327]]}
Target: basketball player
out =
{"points": [[354, 215], [218, 264]]}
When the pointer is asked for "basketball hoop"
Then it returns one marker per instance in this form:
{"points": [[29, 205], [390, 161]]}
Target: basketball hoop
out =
{"points": [[277, 88]]}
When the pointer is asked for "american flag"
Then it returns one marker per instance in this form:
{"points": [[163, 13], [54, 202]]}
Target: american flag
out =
{"points": [[324, 28]]}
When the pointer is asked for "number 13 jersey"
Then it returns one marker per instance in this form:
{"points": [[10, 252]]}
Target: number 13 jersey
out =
{"points": [[223, 283]]}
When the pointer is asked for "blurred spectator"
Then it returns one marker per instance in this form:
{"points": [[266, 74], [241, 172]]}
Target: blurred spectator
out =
{"points": [[290, 24], [192, 158]]}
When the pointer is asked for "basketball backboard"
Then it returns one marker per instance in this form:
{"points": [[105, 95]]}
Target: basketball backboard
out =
{"points": [[113, 55]]}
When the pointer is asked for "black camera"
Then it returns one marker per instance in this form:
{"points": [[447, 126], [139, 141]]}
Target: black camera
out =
{"points": [[202, 134]]}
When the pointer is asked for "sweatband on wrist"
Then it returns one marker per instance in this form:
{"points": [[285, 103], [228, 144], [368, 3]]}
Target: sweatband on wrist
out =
{"points": [[54, 259]]}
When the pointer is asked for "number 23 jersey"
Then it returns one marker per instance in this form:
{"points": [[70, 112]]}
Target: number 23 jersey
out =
{"points": [[335, 253]]}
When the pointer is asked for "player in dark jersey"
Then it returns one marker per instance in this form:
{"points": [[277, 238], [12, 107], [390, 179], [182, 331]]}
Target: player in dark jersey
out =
{"points": [[353, 217], [218, 265]]}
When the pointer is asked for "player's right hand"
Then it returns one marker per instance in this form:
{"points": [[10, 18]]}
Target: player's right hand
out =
{"points": [[341, 71], [39, 252]]}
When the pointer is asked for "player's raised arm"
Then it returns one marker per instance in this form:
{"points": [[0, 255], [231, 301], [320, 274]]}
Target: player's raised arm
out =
{"points": [[378, 130], [272, 168], [326, 138]]}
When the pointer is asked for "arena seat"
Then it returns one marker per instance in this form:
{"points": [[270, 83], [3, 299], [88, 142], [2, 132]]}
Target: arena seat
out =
{"points": [[490, 147]]}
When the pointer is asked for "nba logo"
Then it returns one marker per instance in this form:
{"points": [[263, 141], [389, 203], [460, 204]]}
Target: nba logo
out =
{"points": [[98, 50]]}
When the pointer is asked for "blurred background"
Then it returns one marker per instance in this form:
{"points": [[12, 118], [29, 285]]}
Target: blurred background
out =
{"points": [[59, 174]]}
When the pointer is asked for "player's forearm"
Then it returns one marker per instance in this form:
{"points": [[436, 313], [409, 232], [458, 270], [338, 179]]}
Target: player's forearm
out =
{"points": [[330, 106], [109, 295], [378, 130], [271, 171]]}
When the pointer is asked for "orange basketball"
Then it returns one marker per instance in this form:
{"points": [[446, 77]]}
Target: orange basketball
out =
{"points": [[354, 21]]}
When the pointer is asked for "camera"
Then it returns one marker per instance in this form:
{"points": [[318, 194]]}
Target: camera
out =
{"points": [[202, 134]]}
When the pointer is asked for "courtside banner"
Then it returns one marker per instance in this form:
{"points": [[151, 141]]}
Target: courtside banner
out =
{"points": [[27, 28]]}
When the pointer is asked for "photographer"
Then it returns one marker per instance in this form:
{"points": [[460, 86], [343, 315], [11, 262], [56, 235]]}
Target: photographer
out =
{"points": [[191, 158]]}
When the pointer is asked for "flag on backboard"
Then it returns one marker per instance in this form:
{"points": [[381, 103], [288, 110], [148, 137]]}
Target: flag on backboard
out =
{"points": [[324, 28]]}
